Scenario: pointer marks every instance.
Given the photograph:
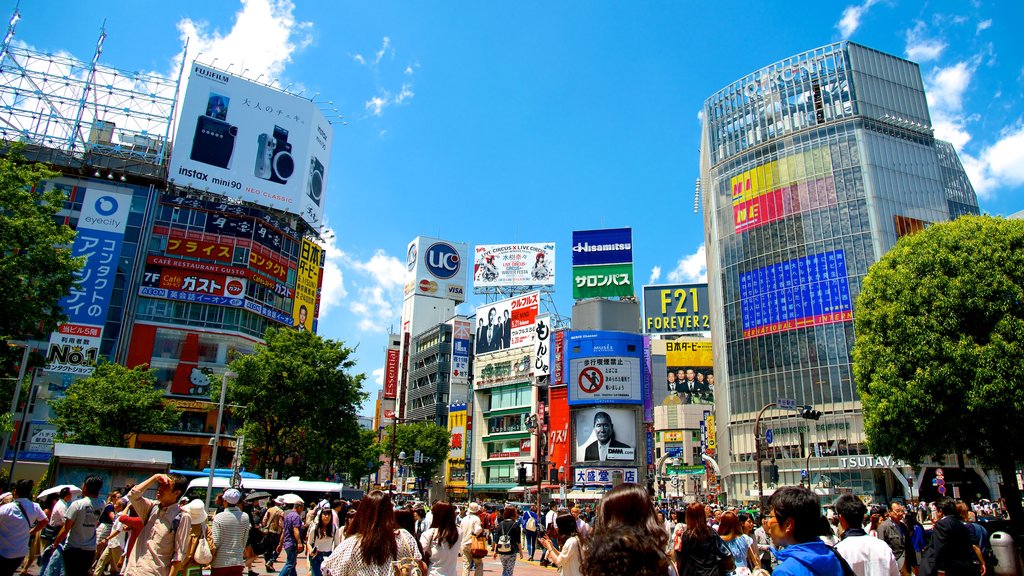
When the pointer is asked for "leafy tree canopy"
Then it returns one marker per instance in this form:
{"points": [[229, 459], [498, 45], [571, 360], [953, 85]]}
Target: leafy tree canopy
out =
{"points": [[36, 267], [298, 400], [430, 439], [112, 404], [359, 456], [940, 337]]}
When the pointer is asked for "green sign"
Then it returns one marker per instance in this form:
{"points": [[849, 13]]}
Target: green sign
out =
{"points": [[602, 281]]}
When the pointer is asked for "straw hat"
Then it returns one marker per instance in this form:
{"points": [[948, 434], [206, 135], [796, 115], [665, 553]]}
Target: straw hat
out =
{"points": [[196, 510]]}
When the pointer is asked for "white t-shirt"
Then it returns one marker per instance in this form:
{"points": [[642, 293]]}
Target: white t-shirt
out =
{"points": [[868, 556], [444, 559], [14, 529], [57, 514], [470, 526]]}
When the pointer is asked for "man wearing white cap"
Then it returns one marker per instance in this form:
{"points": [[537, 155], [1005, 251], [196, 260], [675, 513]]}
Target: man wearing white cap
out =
{"points": [[230, 533], [470, 527]]}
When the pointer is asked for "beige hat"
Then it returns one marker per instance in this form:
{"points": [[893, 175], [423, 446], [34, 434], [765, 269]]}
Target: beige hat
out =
{"points": [[197, 511], [474, 508]]}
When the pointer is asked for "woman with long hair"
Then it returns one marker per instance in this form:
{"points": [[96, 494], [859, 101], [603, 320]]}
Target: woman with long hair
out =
{"points": [[700, 551], [569, 556], [322, 537], [376, 542], [627, 537], [441, 541], [739, 544], [507, 537]]}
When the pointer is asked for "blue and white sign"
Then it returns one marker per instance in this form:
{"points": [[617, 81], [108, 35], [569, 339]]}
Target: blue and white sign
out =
{"points": [[769, 436], [602, 476], [182, 295], [604, 367], [443, 260], [435, 269], [612, 246]]}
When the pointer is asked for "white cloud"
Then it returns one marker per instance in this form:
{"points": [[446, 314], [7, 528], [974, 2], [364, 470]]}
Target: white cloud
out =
{"points": [[378, 304], [655, 275], [1001, 164], [358, 58], [921, 48], [332, 290], [385, 97], [946, 86], [409, 70], [983, 25], [384, 49], [691, 268], [262, 40], [376, 104], [851, 18], [378, 376]]}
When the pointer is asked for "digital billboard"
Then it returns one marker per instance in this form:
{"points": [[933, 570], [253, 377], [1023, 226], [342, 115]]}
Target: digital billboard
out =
{"points": [[604, 367], [508, 323], [307, 282], [809, 291], [514, 265], [558, 428], [687, 375], [252, 142], [436, 268], [792, 184], [674, 308], [605, 434]]}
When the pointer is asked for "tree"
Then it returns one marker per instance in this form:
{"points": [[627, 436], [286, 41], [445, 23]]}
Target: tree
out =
{"points": [[940, 335], [298, 401], [112, 404], [360, 457], [431, 440], [36, 266]]}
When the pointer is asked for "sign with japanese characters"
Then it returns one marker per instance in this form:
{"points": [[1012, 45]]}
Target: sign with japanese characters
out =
{"points": [[602, 477], [542, 347], [278, 288], [195, 282], [611, 380], [514, 265], [199, 249], [460, 352], [605, 281], [307, 283], [74, 347], [509, 323], [248, 141]]}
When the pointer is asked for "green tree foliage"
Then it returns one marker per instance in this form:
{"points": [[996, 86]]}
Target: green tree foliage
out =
{"points": [[431, 440], [940, 337], [359, 456], [298, 400], [111, 405], [36, 267]]}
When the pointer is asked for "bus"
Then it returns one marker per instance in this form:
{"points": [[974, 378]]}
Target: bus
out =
{"points": [[310, 492]]}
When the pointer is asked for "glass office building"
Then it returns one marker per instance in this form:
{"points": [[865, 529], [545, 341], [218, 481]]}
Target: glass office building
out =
{"points": [[812, 168]]}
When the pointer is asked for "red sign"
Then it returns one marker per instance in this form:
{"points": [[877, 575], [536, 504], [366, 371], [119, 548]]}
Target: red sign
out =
{"points": [[268, 264], [558, 433], [389, 414], [391, 375], [195, 282], [199, 249], [559, 357], [278, 288], [591, 379]]}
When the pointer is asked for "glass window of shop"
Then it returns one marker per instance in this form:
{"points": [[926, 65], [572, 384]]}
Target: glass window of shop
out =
{"points": [[503, 449], [515, 396], [504, 474], [510, 423]]}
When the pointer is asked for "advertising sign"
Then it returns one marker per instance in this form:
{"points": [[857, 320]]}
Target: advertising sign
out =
{"points": [[233, 208], [311, 262], [542, 347], [559, 378], [252, 142], [792, 184], [674, 308], [457, 427], [689, 376], [605, 281], [612, 246], [194, 282], [101, 224], [508, 323], [558, 430], [278, 288], [610, 380], [514, 265], [460, 352], [605, 434], [436, 268], [391, 374], [602, 476], [200, 249], [809, 291]]}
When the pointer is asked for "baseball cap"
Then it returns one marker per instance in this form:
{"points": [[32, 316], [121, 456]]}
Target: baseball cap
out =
{"points": [[232, 496]]}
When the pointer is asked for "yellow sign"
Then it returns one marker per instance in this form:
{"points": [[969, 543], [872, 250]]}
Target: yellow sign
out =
{"points": [[688, 352], [307, 284], [672, 436]]}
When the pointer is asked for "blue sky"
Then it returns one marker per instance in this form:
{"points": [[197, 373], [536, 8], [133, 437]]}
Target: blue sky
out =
{"points": [[494, 122]]}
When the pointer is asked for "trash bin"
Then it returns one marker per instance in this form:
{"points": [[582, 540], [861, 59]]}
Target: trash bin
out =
{"points": [[1006, 554]]}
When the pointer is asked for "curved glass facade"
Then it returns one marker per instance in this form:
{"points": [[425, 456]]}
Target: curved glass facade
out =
{"points": [[812, 168]]}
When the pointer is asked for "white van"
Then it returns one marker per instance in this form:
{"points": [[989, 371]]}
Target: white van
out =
{"points": [[310, 492]]}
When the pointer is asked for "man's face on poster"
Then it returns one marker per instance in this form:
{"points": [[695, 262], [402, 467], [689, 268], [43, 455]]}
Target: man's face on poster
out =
{"points": [[671, 377], [680, 375], [690, 374], [492, 314], [603, 428]]}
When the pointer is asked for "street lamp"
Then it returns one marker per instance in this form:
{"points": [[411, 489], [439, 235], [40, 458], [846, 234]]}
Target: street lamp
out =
{"points": [[216, 433], [394, 445], [533, 425]]}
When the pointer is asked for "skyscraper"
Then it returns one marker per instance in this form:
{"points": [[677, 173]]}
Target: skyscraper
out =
{"points": [[812, 168]]}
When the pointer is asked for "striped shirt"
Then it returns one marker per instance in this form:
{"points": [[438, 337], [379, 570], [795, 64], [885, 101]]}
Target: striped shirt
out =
{"points": [[230, 533]]}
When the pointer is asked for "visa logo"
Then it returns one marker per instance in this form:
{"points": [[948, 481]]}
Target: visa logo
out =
{"points": [[455, 290]]}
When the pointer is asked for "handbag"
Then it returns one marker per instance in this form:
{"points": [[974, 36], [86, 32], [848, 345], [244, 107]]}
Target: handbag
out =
{"points": [[726, 563], [50, 532], [407, 564], [204, 552], [478, 547]]}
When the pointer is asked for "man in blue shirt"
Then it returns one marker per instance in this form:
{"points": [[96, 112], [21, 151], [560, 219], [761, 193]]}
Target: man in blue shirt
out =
{"points": [[794, 522], [291, 539]]}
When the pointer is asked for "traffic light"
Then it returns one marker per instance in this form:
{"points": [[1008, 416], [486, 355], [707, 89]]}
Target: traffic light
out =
{"points": [[773, 473], [522, 474], [809, 413]]}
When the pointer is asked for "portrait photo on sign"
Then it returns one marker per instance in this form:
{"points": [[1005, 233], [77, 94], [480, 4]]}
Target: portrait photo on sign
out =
{"points": [[605, 434], [689, 385]]}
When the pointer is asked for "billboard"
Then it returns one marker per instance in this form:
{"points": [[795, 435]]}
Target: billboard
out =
{"points": [[612, 246], [508, 323], [609, 280], [307, 283], [605, 434], [809, 291], [101, 225], [542, 346], [200, 249], [598, 477], [460, 352], [796, 183], [436, 268], [689, 376], [673, 308], [514, 265], [252, 142], [604, 367], [205, 287], [558, 428], [192, 265], [391, 374]]}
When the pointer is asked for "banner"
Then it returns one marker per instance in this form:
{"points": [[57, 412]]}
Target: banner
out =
{"points": [[436, 268], [558, 430], [542, 347], [311, 262], [391, 374], [612, 246], [674, 308], [514, 265], [101, 224], [278, 288], [193, 282], [252, 142], [508, 323], [605, 434], [689, 376], [609, 280], [460, 352], [200, 249], [602, 476], [772, 191]]}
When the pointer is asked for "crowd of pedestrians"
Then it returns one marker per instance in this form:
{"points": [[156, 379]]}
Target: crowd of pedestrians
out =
{"points": [[624, 535]]}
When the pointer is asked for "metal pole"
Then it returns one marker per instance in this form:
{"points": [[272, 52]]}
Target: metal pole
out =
{"points": [[21, 430], [14, 402], [394, 443], [757, 455], [216, 434], [807, 466]]}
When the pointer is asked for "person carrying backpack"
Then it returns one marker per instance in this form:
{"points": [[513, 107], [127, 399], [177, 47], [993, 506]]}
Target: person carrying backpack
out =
{"points": [[531, 527], [507, 536]]}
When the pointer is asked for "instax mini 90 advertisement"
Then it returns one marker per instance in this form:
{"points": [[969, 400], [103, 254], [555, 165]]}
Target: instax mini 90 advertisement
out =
{"points": [[252, 142]]}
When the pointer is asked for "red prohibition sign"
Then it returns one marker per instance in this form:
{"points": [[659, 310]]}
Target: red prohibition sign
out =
{"points": [[591, 379]]}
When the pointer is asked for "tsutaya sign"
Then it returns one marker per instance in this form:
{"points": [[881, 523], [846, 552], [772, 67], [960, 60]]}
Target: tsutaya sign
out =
{"points": [[869, 461]]}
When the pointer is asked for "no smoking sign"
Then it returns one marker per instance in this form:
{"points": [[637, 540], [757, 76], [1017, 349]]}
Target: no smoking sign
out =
{"points": [[591, 379]]}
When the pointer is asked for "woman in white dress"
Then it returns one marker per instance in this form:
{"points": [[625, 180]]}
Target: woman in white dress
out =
{"points": [[441, 541], [569, 556]]}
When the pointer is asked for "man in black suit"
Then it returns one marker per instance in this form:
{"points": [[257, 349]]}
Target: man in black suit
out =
{"points": [[949, 549], [605, 432], [489, 337], [691, 385]]}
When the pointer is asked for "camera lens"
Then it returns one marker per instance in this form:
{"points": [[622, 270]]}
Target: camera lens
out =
{"points": [[284, 165]]}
